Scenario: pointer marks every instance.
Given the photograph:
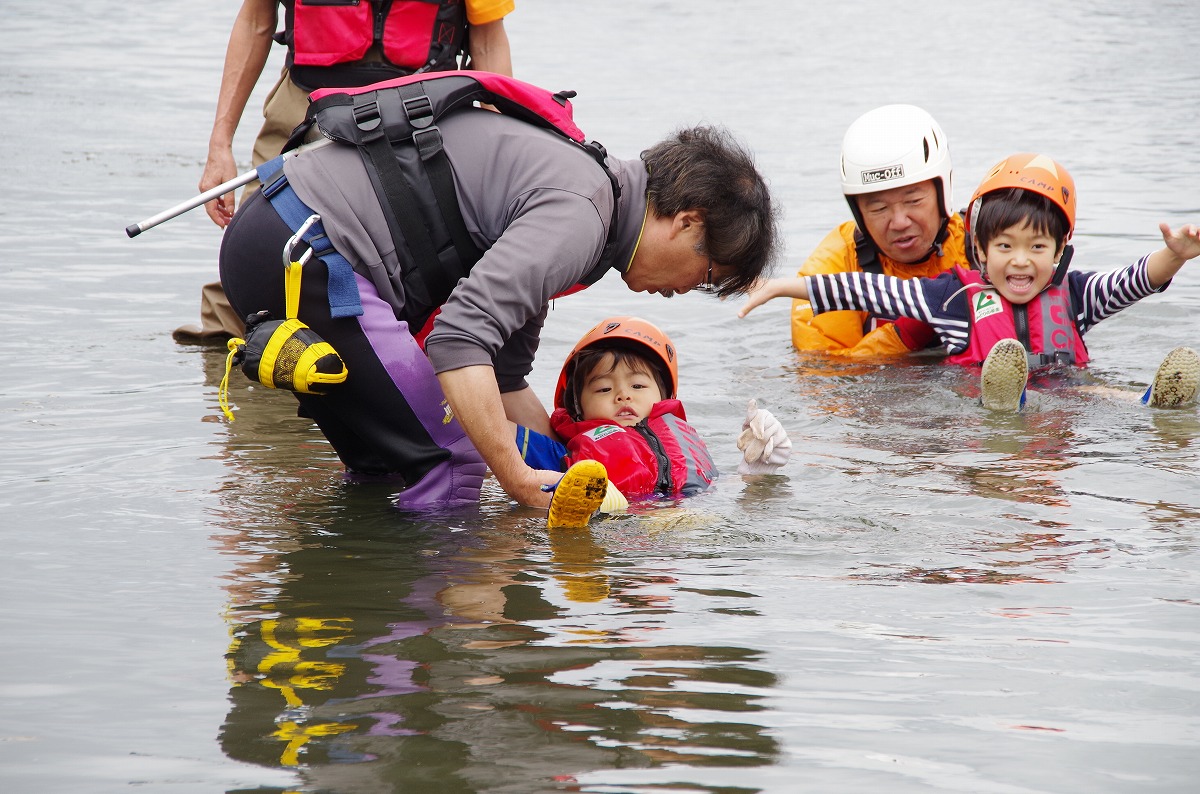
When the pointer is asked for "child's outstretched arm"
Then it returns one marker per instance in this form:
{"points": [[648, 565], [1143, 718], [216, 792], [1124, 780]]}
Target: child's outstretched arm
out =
{"points": [[774, 288], [940, 301], [1182, 244]]}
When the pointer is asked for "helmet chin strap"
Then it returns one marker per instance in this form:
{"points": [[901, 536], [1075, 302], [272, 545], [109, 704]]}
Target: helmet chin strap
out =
{"points": [[939, 239], [1060, 272]]}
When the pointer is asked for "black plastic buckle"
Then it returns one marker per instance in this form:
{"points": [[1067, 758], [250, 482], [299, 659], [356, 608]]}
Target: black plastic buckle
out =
{"points": [[366, 116], [419, 110]]}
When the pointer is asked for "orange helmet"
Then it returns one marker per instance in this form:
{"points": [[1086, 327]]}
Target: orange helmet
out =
{"points": [[641, 333], [1036, 173]]}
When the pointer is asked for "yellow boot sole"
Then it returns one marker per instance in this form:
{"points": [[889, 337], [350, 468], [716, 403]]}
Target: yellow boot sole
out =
{"points": [[578, 495]]}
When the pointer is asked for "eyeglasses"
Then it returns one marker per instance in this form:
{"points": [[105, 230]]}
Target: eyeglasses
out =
{"points": [[707, 286]]}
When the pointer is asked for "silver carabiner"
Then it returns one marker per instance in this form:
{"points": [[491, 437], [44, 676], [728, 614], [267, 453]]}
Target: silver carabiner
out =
{"points": [[294, 240]]}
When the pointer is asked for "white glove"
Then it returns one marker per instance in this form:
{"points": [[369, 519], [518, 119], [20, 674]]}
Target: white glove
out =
{"points": [[614, 501], [764, 443]]}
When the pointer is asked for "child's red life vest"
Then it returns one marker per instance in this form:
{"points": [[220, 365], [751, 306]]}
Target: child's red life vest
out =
{"points": [[1045, 325], [661, 455]]}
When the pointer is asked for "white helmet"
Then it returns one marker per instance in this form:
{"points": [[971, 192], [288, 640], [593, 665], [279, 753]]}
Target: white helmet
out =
{"points": [[894, 146]]}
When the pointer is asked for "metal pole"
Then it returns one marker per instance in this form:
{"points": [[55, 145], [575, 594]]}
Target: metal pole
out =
{"points": [[135, 229]]}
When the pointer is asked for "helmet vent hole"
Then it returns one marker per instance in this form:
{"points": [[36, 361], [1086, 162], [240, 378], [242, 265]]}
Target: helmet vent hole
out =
{"points": [[926, 142]]}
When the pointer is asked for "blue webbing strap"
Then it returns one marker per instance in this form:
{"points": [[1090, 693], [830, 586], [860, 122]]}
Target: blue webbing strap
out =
{"points": [[343, 291]]}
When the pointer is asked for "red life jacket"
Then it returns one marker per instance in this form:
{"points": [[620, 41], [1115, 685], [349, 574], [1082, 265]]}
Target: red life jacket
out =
{"points": [[328, 40], [662, 454], [1045, 325]]}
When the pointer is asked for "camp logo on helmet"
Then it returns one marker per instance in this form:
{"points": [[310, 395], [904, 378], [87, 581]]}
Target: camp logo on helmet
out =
{"points": [[645, 338], [1042, 186], [883, 174]]}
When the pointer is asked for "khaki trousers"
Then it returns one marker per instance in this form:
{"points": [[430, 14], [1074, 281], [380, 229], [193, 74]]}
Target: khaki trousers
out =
{"points": [[283, 109]]}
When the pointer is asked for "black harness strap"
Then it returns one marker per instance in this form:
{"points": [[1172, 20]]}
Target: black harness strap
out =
{"points": [[609, 253], [428, 140], [405, 213]]}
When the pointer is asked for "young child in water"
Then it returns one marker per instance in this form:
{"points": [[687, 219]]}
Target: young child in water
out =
{"points": [[615, 403], [1022, 309]]}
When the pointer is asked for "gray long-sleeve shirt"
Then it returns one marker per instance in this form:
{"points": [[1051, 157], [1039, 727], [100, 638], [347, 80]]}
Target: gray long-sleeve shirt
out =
{"points": [[537, 206]]}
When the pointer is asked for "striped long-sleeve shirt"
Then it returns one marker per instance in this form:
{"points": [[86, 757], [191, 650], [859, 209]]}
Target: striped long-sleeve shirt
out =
{"points": [[942, 302]]}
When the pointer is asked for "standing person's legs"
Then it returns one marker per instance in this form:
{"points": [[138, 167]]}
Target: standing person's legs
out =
{"points": [[283, 109], [389, 417]]}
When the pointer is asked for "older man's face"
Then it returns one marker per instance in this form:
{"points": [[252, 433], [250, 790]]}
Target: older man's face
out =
{"points": [[668, 261], [903, 221]]}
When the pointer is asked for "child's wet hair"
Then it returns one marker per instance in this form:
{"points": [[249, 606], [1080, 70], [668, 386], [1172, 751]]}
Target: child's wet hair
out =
{"points": [[1008, 207], [586, 362]]}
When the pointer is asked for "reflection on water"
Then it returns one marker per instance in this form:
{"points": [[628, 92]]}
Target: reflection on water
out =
{"points": [[434, 655], [1024, 461], [369, 653]]}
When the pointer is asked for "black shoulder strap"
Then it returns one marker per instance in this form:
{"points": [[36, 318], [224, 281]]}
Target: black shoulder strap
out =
{"points": [[398, 192], [608, 255], [428, 140]]}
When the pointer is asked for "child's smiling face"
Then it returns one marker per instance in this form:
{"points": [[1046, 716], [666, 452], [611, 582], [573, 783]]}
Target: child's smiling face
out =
{"points": [[1020, 262], [621, 393]]}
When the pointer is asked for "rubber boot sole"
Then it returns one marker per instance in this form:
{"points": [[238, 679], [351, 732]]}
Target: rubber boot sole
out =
{"points": [[1004, 375], [578, 495], [1176, 381]]}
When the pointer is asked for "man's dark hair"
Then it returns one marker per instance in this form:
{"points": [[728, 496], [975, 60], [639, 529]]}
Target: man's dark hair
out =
{"points": [[1012, 206], [706, 169]]}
